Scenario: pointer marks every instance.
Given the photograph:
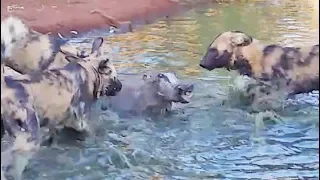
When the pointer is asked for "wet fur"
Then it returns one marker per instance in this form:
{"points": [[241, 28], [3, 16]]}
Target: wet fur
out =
{"points": [[53, 98], [297, 67], [26, 50]]}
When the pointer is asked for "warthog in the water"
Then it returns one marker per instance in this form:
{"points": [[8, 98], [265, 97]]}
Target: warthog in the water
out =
{"points": [[153, 93], [295, 67], [53, 98]]}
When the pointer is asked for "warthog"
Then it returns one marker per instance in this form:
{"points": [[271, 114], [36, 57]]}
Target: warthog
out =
{"points": [[153, 93]]}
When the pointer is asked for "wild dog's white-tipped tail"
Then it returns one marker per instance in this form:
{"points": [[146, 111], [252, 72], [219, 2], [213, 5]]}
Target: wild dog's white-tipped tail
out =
{"points": [[12, 30]]}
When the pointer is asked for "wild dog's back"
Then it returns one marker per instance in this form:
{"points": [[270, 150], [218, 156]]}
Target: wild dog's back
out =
{"points": [[50, 90], [305, 70], [25, 50]]}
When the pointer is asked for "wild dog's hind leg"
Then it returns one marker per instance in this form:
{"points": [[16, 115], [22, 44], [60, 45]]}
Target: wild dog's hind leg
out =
{"points": [[25, 128]]}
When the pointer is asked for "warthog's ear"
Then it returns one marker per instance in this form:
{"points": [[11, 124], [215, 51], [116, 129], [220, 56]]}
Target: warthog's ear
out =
{"points": [[103, 66], [239, 38], [71, 58], [96, 45], [144, 77]]}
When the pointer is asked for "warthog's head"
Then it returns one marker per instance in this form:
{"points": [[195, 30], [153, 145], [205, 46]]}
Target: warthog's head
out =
{"points": [[168, 87]]}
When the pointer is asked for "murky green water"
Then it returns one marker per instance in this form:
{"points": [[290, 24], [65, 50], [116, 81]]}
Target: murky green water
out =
{"points": [[204, 139]]}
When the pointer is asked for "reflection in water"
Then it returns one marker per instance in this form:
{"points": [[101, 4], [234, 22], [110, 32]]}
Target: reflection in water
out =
{"points": [[204, 139]]}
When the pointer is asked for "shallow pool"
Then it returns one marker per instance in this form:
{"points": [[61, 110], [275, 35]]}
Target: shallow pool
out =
{"points": [[206, 139]]}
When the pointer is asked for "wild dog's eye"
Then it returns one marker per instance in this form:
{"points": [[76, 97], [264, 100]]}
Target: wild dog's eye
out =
{"points": [[108, 71], [82, 54], [104, 67], [160, 75]]}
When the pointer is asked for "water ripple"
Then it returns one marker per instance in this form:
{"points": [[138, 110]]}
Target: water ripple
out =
{"points": [[206, 139]]}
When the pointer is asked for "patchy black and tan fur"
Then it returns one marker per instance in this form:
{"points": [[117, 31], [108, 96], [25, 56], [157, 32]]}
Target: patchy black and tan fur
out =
{"points": [[26, 50], [235, 50], [52, 98]]}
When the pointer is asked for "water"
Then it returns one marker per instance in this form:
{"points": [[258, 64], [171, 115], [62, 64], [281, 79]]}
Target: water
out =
{"points": [[206, 139]]}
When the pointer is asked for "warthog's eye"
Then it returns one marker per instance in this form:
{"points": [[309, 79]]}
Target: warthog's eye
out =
{"points": [[180, 90]]}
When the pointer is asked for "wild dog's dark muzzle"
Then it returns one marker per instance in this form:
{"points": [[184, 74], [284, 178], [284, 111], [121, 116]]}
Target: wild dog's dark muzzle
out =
{"points": [[213, 59], [208, 60], [113, 89]]}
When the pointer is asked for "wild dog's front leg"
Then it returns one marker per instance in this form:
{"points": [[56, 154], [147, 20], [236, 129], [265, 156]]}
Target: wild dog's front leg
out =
{"points": [[74, 124], [51, 139], [78, 118]]}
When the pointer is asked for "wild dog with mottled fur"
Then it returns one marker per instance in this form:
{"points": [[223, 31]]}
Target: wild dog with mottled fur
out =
{"points": [[235, 50], [54, 97], [26, 50]]}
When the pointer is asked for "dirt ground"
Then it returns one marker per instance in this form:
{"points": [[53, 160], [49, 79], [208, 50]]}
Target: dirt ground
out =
{"points": [[82, 15]]}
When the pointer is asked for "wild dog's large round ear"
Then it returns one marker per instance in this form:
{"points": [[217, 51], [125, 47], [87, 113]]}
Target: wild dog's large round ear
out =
{"points": [[240, 39], [96, 45], [103, 66], [71, 58]]}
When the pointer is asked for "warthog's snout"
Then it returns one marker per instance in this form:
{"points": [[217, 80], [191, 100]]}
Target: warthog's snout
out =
{"points": [[185, 93], [113, 89]]}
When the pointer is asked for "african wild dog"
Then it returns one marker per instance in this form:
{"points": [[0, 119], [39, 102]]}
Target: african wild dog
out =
{"points": [[298, 67], [55, 97], [26, 50]]}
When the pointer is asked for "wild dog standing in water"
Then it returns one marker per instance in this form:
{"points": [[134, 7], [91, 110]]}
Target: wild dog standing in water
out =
{"points": [[55, 97], [235, 50], [26, 50]]}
